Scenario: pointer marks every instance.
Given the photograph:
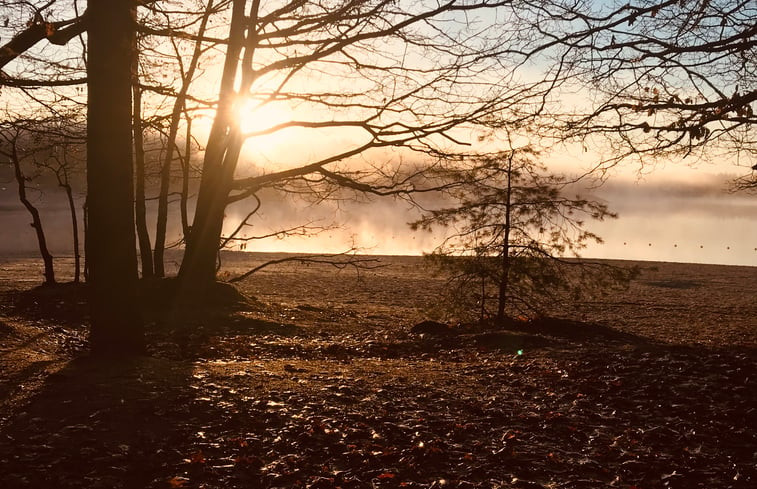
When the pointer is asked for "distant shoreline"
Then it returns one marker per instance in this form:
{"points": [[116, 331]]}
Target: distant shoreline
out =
{"points": [[172, 255]]}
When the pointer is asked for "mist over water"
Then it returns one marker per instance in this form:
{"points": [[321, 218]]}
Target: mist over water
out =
{"points": [[661, 219], [378, 226], [676, 220]]}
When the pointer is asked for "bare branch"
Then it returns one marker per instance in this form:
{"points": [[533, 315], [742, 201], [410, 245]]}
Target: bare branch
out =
{"points": [[346, 259]]}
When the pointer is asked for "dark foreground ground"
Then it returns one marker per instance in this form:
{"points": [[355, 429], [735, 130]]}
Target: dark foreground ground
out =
{"points": [[319, 383]]}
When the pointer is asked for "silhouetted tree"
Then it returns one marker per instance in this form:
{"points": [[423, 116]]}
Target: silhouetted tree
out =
{"points": [[406, 82], [748, 182], [140, 207], [65, 159], [513, 232], [413, 78], [54, 145], [12, 137], [52, 82], [187, 72], [116, 326], [668, 78]]}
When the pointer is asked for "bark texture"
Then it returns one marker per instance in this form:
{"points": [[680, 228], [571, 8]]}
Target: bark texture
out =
{"points": [[112, 258], [198, 268]]}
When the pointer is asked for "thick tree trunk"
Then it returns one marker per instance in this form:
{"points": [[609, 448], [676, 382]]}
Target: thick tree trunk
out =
{"points": [[47, 258], [198, 269], [116, 325]]}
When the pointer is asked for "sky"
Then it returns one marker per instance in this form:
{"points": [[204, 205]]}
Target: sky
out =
{"points": [[673, 213]]}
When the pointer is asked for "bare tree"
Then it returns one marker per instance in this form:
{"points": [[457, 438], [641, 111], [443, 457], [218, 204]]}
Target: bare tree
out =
{"points": [[140, 207], [30, 31], [669, 79], [116, 323], [12, 136], [51, 80], [187, 70], [747, 183], [65, 160], [412, 79], [409, 77], [407, 85]]}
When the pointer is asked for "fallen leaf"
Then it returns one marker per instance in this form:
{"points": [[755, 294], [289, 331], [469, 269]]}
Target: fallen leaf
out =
{"points": [[177, 481]]}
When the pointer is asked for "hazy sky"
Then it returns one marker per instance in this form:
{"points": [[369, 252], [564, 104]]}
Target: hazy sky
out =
{"points": [[673, 214]]}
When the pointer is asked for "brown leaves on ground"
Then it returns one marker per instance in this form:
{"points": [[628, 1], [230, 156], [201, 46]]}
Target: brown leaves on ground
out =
{"points": [[280, 398]]}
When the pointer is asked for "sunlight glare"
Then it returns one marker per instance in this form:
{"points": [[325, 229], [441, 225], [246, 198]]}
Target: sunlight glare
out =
{"points": [[257, 117]]}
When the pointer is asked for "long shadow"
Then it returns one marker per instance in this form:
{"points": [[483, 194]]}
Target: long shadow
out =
{"points": [[109, 423], [101, 423], [119, 423], [32, 369], [116, 423], [577, 331], [35, 339], [5, 329]]}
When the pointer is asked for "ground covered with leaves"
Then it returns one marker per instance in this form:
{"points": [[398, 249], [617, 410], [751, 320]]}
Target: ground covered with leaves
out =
{"points": [[319, 381]]}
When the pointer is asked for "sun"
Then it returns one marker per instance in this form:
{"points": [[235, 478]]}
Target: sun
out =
{"points": [[281, 133], [256, 120], [259, 119]]}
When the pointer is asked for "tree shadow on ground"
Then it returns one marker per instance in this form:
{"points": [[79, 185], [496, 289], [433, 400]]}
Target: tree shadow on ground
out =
{"points": [[68, 302], [215, 333], [573, 330], [461, 407], [101, 423]]}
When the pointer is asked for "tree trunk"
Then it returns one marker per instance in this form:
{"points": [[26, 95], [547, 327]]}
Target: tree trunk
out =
{"points": [[47, 258], [504, 279], [162, 219], [165, 172], [145, 249], [74, 229], [184, 199], [85, 221], [198, 269], [116, 325]]}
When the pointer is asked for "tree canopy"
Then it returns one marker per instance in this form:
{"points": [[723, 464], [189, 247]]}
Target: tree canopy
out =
{"points": [[668, 79]]}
